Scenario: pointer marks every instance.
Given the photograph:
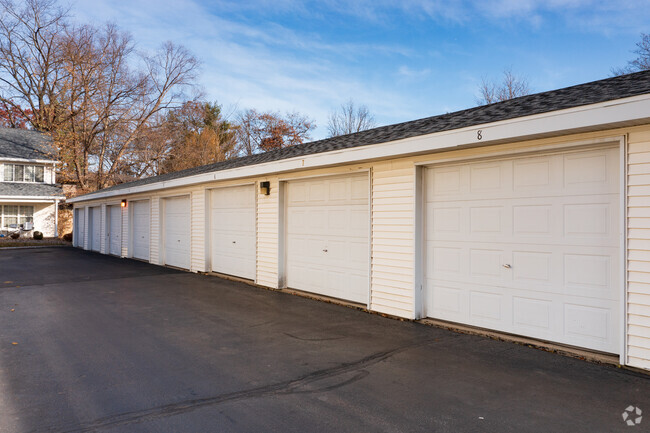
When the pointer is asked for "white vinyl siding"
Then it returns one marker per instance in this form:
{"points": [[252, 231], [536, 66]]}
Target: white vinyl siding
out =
{"points": [[638, 246], [124, 250], [198, 231], [393, 234], [267, 236], [155, 231]]}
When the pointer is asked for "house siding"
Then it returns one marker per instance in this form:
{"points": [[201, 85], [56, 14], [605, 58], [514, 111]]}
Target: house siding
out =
{"points": [[198, 231], [392, 238], [154, 234], [268, 229], [125, 232], [103, 245], [638, 249]]}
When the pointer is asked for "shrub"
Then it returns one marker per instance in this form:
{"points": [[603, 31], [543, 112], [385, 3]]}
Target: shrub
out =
{"points": [[38, 236], [14, 235], [67, 237]]}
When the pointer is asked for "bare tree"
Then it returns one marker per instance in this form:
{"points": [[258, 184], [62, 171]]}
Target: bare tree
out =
{"points": [[80, 84], [642, 62], [349, 119], [510, 87], [262, 132]]}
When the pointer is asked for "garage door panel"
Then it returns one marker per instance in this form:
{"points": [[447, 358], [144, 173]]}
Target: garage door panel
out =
{"points": [[232, 222], [327, 236], [140, 229], [176, 231], [95, 228], [535, 253], [114, 234]]}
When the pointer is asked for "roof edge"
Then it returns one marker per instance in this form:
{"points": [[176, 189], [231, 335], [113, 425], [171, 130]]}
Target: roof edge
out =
{"points": [[565, 121]]}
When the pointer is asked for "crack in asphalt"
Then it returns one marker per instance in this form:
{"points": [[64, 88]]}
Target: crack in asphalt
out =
{"points": [[313, 339], [293, 386]]}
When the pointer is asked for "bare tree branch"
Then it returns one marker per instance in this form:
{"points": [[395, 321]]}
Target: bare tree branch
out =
{"points": [[510, 87], [642, 62], [349, 119]]}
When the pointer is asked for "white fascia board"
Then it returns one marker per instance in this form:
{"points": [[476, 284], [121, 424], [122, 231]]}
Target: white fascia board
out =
{"points": [[37, 161], [566, 121], [29, 199]]}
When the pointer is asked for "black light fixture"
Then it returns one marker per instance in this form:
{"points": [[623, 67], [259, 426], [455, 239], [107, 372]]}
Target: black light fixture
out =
{"points": [[265, 188], [123, 204]]}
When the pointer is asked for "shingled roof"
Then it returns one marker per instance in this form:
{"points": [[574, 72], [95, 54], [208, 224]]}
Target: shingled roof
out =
{"points": [[609, 89], [25, 144], [19, 189]]}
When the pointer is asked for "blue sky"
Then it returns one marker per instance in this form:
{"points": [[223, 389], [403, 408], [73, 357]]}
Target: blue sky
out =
{"points": [[404, 60]]}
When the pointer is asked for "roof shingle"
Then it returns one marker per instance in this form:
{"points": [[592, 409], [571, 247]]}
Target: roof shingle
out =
{"points": [[26, 144], [30, 189]]}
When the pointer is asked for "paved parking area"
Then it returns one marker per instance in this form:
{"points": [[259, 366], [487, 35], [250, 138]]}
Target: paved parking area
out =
{"points": [[113, 345]]}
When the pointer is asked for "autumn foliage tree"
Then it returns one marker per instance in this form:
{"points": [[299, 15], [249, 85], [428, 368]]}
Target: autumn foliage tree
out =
{"points": [[12, 117], [80, 83], [197, 135], [262, 132]]}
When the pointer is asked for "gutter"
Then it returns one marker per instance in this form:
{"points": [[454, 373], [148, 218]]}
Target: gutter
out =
{"points": [[30, 198]]}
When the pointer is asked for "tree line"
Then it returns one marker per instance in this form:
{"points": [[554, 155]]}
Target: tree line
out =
{"points": [[116, 113]]}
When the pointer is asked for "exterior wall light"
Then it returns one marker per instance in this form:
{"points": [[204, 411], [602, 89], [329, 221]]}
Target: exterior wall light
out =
{"points": [[265, 188], [123, 204]]}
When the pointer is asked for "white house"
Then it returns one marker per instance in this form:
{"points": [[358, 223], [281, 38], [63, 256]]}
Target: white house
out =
{"points": [[528, 217], [28, 189]]}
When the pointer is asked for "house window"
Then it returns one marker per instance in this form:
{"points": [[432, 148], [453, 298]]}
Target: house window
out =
{"points": [[16, 215], [24, 173]]}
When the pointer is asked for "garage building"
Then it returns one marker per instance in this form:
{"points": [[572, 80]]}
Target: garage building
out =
{"points": [[529, 217]]}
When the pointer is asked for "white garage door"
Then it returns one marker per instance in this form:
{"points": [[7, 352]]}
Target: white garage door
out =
{"points": [[114, 230], [95, 224], [232, 227], [528, 246], [140, 223], [327, 228], [176, 231], [80, 222]]}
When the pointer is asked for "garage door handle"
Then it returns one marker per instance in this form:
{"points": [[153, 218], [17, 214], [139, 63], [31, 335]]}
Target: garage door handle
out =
{"points": [[324, 251], [507, 266], [234, 242]]}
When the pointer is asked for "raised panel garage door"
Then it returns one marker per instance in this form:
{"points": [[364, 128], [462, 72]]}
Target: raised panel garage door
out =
{"points": [[140, 224], [176, 231], [528, 246], [94, 229], [327, 225], [80, 222], [232, 228], [114, 233]]}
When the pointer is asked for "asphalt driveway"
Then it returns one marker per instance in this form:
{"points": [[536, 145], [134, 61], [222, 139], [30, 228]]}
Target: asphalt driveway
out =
{"points": [[110, 345]]}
